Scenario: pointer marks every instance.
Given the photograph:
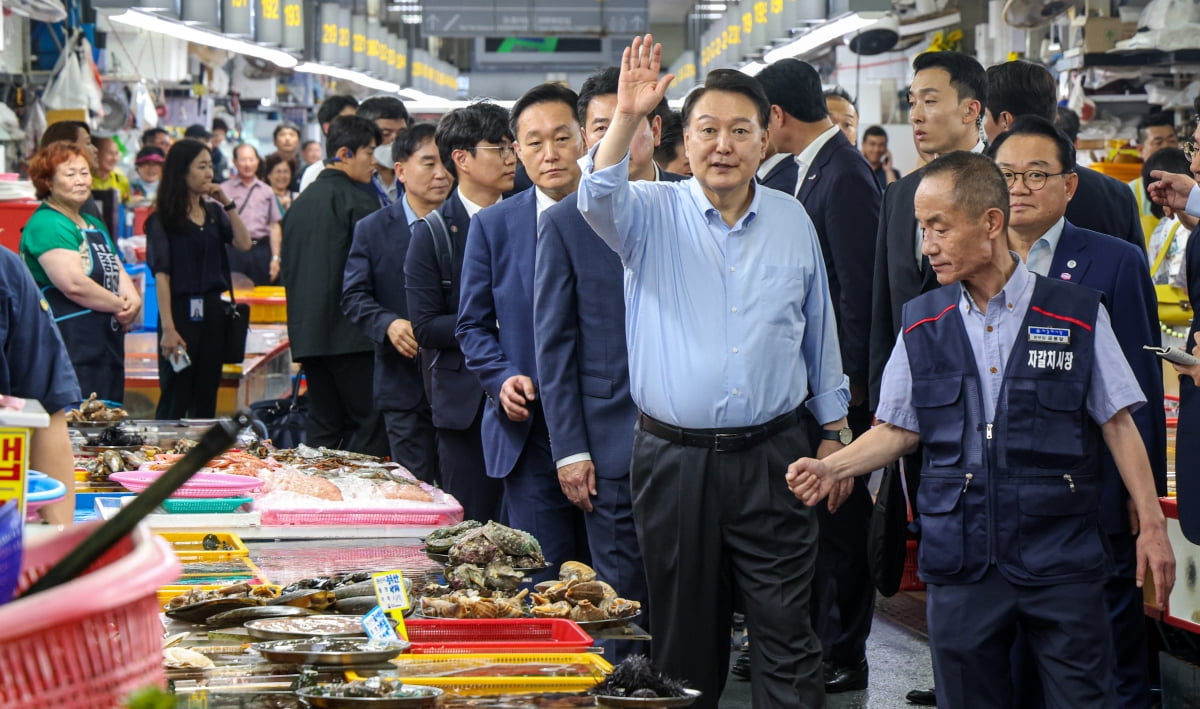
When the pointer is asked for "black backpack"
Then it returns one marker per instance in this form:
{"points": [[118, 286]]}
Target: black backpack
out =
{"points": [[285, 419]]}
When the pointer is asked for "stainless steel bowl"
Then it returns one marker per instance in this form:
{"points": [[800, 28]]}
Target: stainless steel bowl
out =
{"points": [[427, 699], [335, 651], [690, 696]]}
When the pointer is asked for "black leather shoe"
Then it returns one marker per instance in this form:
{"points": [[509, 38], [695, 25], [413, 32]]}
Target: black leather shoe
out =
{"points": [[924, 697], [846, 678], [741, 667]]}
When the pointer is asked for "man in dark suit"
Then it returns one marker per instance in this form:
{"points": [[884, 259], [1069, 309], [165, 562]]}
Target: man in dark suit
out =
{"points": [[946, 101], [1102, 203], [579, 333], [495, 323], [475, 144], [338, 359], [1037, 160], [375, 300], [836, 187], [778, 171]]}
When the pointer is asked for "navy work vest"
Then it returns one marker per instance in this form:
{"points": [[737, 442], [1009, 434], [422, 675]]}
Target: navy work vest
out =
{"points": [[1021, 491]]}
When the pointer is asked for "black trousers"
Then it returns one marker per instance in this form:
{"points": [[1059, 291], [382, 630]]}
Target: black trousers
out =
{"points": [[412, 440], [460, 459], [340, 411], [192, 392], [843, 594], [712, 525], [255, 264]]}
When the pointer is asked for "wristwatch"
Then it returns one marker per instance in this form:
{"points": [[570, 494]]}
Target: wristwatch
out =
{"points": [[231, 206], [842, 435]]}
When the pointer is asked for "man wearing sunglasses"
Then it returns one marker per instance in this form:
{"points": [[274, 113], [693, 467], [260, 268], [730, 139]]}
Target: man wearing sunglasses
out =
{"points": [[1038, 162]]}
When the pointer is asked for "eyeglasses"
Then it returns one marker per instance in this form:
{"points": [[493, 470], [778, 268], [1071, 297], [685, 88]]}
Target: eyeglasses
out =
{"points": [[506, 151], [1189, 149], [1033, 180]]}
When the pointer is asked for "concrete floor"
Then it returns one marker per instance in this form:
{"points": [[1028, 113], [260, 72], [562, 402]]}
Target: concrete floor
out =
{"points": [[897, 652]]}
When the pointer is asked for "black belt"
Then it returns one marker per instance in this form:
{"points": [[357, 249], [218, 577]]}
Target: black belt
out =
{"points": [[726, 440]]}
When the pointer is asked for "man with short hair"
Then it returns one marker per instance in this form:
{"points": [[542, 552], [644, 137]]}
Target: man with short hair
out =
{"points": [[1156, 130], [730, 327], [259, 210], [158, 138], [1012, 383], [475, 144], [337, 358], [836, 187], [331, 108], [374, 298], [497, 287], [1038, 161], [843, 113], [579, 333], [220, 129], [1102, 203], [389, 113], [875, 150]]}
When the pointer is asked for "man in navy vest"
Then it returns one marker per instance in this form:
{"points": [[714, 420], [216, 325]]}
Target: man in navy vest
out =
{"points": [[1012, 384]]}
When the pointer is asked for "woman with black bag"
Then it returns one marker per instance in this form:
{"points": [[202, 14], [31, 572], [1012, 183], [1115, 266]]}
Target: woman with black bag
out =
{"points": [[185, 248]]}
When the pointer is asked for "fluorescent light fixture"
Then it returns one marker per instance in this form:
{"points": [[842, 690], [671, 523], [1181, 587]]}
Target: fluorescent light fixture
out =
{"points": [[751, 68], [357, 77], [923, 26], [822, 35], [154, 23]]}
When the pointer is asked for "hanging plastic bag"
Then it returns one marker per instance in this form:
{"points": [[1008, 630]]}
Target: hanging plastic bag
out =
{"points": [[90, 78], [66, 89]]}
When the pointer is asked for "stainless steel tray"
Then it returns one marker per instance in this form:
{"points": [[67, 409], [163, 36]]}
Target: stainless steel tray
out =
{"points": [[336, 651], [649, 702], [428, 699]]}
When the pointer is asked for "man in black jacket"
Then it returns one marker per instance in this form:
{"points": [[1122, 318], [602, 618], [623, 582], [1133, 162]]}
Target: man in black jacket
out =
{"points": [[317, 231]]}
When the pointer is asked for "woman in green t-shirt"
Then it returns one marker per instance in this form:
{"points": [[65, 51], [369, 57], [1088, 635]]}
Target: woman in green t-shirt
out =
{"points": [[77, 267]]}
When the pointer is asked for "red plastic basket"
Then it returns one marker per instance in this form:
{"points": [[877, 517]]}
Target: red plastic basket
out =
{"points": [[909, 581], [496, 635], [91, 642]]}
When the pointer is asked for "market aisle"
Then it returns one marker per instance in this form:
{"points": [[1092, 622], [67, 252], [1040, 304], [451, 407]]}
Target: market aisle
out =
{"points": [[898, 652]]}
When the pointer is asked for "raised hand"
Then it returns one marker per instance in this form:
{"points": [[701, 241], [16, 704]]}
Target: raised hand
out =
{"points": [[640, 89]]}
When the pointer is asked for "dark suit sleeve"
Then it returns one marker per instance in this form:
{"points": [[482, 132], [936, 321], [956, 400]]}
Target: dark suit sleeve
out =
{"points": [[358, 287], [851, 236], [477, 329], [556, 323], [431, 313], [1135, 323], [882, 334]]}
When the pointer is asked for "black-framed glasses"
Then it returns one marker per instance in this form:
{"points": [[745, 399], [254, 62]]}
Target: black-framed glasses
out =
{"points": [[1189, 149], [1033, 180], [506, 151]]}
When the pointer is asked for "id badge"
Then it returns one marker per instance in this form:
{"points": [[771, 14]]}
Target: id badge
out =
{"points": [[196, 309]]}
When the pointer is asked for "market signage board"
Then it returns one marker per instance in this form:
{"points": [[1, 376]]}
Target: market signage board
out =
{"points": [[14, 454], [471, 18]]}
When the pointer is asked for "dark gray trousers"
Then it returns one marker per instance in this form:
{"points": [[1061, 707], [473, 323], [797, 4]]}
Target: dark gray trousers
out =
{"points": [[712, 525]]}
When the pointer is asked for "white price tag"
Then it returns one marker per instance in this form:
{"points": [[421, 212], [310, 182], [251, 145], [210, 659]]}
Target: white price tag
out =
{"points": [[391, 591], [378, 626]]}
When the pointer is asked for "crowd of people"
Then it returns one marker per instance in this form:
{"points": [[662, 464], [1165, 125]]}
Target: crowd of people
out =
{"points": [[671, 343]]}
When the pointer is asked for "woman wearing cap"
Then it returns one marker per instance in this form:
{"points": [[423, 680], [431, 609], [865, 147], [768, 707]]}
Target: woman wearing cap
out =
{"points": [[185, 247], [75, 262], [149, 165]]}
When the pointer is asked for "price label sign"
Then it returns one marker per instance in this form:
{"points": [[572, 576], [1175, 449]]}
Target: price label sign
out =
{"points": [[392, 595], [378, 626]]}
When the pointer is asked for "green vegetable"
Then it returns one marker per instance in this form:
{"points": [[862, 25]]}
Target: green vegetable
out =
{"points": [[150, 698]]}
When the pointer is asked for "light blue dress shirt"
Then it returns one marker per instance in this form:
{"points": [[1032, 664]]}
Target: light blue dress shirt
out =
{"points": [[410, 215], [1041, 254], [727, 326], [993, 334]]}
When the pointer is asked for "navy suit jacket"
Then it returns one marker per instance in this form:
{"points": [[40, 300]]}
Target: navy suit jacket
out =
{"points": [[495, 318], [373, 296], [454, 392], [579, 333], [1119, 272], [782, 177], [842, 199], [1106, 205], [1187, 439]]}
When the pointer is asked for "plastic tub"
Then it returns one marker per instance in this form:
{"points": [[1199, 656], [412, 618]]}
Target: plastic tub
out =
{"points": [[90, 642], [447, 637]]}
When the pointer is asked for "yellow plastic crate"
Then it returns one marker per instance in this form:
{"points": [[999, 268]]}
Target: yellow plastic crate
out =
{"points": [[431, 669], [189, 546], [268, 304]]}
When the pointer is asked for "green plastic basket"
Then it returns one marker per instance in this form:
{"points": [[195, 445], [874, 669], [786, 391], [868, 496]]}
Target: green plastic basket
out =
{"points": [[210, 505]]}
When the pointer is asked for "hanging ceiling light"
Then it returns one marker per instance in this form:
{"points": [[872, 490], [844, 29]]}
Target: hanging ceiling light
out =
{"points": [[357, 77], [153, 23], [824, 34]]}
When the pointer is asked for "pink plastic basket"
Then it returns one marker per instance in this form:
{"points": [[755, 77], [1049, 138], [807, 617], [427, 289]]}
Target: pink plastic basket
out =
{"points": [[435, 517], [91, 642], [204, 485], [434, 636]]}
